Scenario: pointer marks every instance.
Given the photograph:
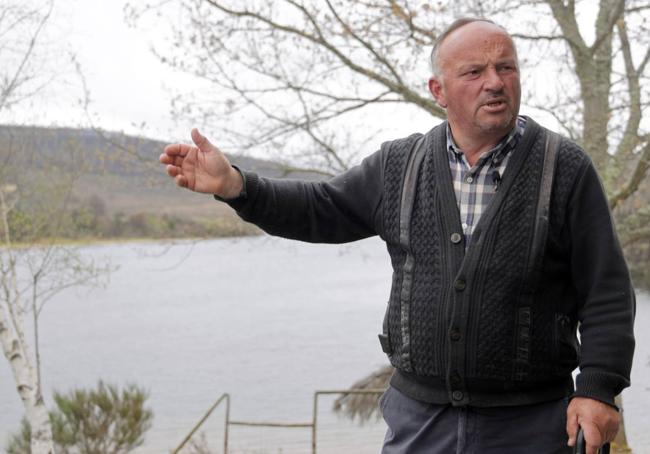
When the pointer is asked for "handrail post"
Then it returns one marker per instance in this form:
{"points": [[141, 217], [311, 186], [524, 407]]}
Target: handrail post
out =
{"points": [[314, 421], [226, 425], [198, 425], [228, 422]]}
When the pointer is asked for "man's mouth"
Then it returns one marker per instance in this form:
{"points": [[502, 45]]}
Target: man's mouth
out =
{"points": [[495, 105]]}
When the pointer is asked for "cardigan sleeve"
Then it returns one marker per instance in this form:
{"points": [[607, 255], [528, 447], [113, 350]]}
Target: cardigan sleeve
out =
{"points": [[342, 209], [602, 280]]}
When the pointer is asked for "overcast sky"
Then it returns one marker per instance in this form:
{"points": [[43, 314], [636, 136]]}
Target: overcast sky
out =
{"points": [[129, 88], [128, 85]]}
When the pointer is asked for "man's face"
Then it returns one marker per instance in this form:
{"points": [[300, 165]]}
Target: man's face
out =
{"points": [[478, 82]]}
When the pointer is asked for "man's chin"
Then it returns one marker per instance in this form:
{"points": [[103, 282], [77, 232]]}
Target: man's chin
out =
{"points": [[497, 126]]}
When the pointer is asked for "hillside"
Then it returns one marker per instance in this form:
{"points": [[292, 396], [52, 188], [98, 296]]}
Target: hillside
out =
{"points": [[121, 170]]}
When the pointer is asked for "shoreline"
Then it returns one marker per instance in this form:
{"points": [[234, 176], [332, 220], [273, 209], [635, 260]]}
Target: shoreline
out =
{"points": [[81, 242]]}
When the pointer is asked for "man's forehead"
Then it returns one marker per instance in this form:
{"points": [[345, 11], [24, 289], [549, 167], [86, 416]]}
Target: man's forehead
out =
{"points": [[477, 38]]}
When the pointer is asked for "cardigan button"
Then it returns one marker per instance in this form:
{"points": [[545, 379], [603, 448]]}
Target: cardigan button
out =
{"points": [[460, 285], [456, 238], [454, 335], [457, 395]]}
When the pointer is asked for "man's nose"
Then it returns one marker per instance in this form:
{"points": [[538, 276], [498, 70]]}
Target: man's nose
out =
{"points": [[493, 81]]}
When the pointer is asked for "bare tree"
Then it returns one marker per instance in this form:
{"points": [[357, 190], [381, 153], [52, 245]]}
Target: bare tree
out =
{"points": [[282, 72], [32, 272]]}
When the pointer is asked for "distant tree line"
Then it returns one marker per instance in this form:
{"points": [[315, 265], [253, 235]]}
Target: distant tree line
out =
{"points": [[89, 219]]}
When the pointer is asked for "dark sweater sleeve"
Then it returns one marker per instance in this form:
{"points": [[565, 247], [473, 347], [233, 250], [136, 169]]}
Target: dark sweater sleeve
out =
{"points": [[603, 283], [342, 209]]}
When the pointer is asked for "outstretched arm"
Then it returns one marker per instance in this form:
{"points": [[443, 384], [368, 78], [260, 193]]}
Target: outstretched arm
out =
{"points": [[345, 208], [202, 168], [342, 209]]}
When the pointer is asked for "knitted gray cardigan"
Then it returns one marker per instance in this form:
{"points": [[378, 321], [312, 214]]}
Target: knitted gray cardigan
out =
{"points": [[477, 325]]}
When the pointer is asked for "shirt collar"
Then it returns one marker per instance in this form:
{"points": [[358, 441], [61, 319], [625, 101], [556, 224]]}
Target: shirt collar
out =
{"points": [[499, 150]]}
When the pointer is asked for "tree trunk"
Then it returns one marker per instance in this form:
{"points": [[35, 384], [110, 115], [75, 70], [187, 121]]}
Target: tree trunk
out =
{"points": [[28, 389]]}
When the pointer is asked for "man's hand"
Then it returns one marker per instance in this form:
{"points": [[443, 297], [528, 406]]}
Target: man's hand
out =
{"points": [[599, 422], [202, 168]]}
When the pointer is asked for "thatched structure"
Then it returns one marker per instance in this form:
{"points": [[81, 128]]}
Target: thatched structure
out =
{"points": [[364, 406]]}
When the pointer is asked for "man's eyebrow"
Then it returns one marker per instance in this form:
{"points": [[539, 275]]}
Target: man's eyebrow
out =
{"points": [[479, 65], [472, 65]]}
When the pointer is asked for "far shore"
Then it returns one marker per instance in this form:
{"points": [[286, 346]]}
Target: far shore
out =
{"points": [[81, 242]]}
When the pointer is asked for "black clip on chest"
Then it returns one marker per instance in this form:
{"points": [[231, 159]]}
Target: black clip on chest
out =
{"points": [[581, 445]]}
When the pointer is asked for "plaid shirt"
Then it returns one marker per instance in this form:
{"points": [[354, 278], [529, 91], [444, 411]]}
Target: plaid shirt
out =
{"points": [[475, 186]]}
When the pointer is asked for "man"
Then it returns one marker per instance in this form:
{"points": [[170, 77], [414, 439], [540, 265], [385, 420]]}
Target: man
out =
{"points": [[497, 256]]}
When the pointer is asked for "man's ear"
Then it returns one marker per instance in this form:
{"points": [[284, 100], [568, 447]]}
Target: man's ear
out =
{"points": [[435, 87]]}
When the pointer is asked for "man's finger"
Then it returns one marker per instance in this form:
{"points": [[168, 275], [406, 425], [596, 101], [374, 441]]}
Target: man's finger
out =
{"points": [[175, 160], [202, 142], [181, 181], [166, 159], [572, 428], [176, 149], [172, 171], [171, 149], [593, 438]]}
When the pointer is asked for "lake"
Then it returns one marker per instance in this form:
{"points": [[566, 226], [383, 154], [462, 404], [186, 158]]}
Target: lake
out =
{"points": [[267, 320]]}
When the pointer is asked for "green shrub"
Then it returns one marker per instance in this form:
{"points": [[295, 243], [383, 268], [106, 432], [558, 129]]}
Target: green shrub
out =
{"points": [[99, 421]]}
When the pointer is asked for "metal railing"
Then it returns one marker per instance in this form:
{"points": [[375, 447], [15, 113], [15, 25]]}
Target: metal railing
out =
{"points": [[198, 425], [313, 425]]}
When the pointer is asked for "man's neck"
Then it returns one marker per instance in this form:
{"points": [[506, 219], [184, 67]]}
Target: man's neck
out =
{"points": [[474, 145]]}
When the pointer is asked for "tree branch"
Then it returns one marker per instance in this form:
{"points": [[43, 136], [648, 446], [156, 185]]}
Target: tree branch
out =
{"points": [[630, 137], [13, 83], [539, 37], [399, 12], [566, 19], [408, 94], [365, 44], [607, 18], [644, 62], [637, 177]]}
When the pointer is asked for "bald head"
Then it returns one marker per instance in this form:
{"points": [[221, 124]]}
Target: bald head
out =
{"points": [[475, 23]]}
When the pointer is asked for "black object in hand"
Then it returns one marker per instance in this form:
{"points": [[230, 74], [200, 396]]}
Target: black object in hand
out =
{"points": [[581, 445]]}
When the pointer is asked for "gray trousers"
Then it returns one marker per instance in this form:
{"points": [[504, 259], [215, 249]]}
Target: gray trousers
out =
{"points": [[416, 427]]}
